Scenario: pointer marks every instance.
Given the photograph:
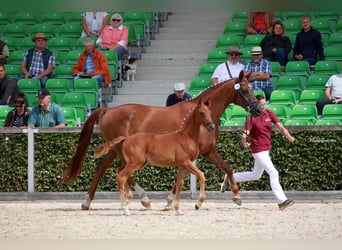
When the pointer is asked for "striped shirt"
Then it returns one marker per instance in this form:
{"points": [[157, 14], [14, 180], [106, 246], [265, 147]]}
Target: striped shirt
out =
{"points": [[265, 67]]}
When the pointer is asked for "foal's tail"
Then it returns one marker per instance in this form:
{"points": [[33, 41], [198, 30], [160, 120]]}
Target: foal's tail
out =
{"points": [[76, 163], [103, 148]]}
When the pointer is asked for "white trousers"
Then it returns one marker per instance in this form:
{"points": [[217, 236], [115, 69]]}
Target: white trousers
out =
{"points": [[262, 161]]}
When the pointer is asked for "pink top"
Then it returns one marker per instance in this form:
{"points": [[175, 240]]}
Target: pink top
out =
{"points": [[110, 36], [260, 129]]}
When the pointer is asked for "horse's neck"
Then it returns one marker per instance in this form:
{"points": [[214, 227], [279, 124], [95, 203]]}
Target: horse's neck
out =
{"points": [[192, 127]]}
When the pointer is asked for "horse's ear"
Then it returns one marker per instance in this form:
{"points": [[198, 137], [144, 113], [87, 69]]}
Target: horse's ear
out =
{"points": [[248, 75], [241, 75], [207, 102]]}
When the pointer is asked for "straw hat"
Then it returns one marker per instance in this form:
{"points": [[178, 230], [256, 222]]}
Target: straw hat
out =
{"points": [[39, 36], [234, 49], [256, 50]]}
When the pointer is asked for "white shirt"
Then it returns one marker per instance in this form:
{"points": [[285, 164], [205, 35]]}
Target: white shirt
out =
{"points": [[222, 74], [335, 82], [94, 21]]}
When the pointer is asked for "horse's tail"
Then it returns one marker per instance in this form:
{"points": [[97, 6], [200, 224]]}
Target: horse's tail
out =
{"points": [[76, 163], [103, 148]]}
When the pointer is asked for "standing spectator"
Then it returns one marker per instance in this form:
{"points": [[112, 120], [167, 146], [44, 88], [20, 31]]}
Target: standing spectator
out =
{"points": [[260, 77], [8, 88], [260, 129], [93, 64], [93, 23], [230, 69], [38, 61], [46, 113], [114, 36], [4, 52], [18, 117], [277, 46], [308, 44], [333, 92], [179, 95], [260, 23]]}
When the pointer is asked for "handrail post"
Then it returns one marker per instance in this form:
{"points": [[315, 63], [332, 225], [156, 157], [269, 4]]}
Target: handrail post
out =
{"points": [[193, 180], [30, 156]]}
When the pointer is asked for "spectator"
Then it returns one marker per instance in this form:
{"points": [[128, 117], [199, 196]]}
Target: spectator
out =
{"points": [[92, 64], [4, 52], [46, 113], [260, 129], [230, 69], [8, 88], [18, 117], [308, 44], [260, 23], [179, 95], [38, 61], [260, 77], [277, 46], [93, 23], [114, 36], [333, 92]]}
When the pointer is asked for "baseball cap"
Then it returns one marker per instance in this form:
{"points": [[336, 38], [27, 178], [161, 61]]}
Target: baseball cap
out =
{"points": [[179, 86], [43, 93]]}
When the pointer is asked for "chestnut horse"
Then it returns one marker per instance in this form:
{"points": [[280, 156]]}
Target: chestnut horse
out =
{"points": [[129, 119], [179, 148]]}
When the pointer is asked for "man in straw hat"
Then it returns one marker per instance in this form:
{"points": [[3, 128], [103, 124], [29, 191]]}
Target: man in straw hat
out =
{"points": [[261, 72], [39, 61], [230, 69]]}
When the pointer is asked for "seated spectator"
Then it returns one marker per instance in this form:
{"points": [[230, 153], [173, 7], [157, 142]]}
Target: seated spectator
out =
{"points": [[333, 92], [19, 115], [4, 52], [308, 44], [114, 36], [38, 61], [260, 23], [92, 64], [93, 23], [260, 77], [230, 69], [46, 113], [8, 88], [179, 95], [277, 46]]}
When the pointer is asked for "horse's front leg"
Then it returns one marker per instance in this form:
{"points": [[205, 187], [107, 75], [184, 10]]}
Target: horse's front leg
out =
{"points": [[215, 158], [100, 170]]}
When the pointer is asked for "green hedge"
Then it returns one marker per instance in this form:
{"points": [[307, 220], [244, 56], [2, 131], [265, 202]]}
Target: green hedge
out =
{"points": [[313, 162]]}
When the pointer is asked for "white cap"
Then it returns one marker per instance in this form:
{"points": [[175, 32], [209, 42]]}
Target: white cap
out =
{"points": [[179, 86]]}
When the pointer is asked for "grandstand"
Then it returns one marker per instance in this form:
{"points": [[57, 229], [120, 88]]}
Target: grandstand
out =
{"points": [[173, 47]]}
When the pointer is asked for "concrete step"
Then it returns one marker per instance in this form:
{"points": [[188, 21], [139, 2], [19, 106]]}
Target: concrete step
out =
{"points": [[172, 59], [180, 46], [153, 100], [163, 72]]}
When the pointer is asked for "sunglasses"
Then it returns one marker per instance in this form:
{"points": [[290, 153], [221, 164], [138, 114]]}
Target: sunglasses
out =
{"points": [[116, 20], [232, 54], [19, 105]]}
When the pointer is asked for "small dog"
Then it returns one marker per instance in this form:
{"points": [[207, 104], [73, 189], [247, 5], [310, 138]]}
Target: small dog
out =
{"points": [[130, 68]]}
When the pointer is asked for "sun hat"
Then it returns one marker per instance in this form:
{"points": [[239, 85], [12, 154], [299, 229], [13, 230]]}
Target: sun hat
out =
{"points": [[234, 49], [179, 86], [256, 50], [39, 36]]}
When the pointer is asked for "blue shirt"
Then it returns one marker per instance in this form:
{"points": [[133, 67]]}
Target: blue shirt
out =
{"points": [[263, 66], [173, 99], [46, 118]]}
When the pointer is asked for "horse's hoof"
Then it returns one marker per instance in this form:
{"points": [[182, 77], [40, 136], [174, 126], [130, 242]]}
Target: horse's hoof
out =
{"points": [[146, 203], [168, 207], [85, 207], [197, 207], [237, 201]]}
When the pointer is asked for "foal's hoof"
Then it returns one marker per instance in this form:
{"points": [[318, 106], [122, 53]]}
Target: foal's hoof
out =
{"points": [[168, 207], [85, 207], [146, 203], [197, 206], [237, 201]]}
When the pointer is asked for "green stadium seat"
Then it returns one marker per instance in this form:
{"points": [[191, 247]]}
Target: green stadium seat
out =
{"points": [[282, 112], [225, 41], [297, 68], [246, 56], [12, 42], [111, 56], [292, 25], [79, 42], [234, 122], [217, 56], [252, 40], [311, 96], [89, 87], [285, 97], [333, 53], [335, 39], [26, 43], [60, 43], [276, 69], [207, 69], [240, 16], [16, 57], [198, 84], [78, 101], [64, 71], [30, 87], [332, 111], [48, 29], [322, 25], [227, 112], [5, 18], [304, 112], [73, 56], [27, 18], [238, 113], [15, 30], [55, 18], [4, 110], [70, 115], [72, 30], [299, 122], [13, 70], [317, 81], [259, 92], [235, 28], [58, 86], [327, 67], [328, 122], [297, 15], [74, 17], [338, 27], [290, 82]]}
